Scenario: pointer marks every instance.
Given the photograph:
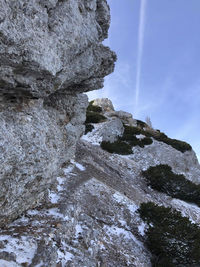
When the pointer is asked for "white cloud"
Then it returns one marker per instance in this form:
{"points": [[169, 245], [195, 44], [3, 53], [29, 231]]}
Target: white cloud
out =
{"points": [[141, 32]]}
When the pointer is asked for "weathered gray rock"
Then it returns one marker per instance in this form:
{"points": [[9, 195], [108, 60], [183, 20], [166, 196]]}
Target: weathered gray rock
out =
{"points": [[161, 153], [108, 131], [85, 222], [90, 217], [36, 138], [53, 45], [126, 117], [50, 52], [104, 103], [112, 130]]}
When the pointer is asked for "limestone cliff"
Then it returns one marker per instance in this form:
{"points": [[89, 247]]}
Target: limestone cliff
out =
{"points": [[50, 52], [91, 216]]}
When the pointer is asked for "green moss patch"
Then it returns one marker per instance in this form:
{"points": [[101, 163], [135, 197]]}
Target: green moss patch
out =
{"points": [[162, 179], [172, 239], [118, 147]]}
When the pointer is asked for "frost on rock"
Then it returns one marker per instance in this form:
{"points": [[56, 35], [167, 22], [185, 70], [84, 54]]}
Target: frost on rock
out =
{"points": [[23, 247]]}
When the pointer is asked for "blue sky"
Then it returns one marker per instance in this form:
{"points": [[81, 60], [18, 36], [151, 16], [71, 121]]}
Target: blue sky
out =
{"points": [[157, 72]]}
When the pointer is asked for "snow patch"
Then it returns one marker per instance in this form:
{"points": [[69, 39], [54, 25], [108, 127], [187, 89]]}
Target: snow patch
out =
{"points": [[68, 169], [141, 228], [122, 233], [140, 136], [93, 137], [64, 256], [23, 248], [79, 166], [61, 181], [4, 263], [54, 198], [118, 197], [55, 213], [124, 200]]}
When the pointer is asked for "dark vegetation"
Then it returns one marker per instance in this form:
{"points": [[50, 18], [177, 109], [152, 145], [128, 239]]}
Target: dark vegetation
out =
{"points": [[162, 179], [141, 124], [93, 115], [88, 128], [159, 136], [94, 108], [129, 136], [125, 143], [172, 239], [118, 147]]}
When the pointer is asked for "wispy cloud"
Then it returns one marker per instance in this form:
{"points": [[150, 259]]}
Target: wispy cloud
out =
{"points": [[141, 32]]}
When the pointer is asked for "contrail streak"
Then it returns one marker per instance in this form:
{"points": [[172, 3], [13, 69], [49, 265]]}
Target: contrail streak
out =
{"points": [[140, 51]]}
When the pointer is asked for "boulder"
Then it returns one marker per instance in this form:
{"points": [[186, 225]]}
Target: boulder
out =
{"points": [[126, 117], [108, 131]]}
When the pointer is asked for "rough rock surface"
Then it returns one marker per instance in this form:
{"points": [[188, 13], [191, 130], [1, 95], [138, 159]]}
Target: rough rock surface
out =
{"points": [[104, 103], [109, 131], [35, 140], [52, 44], [126, 117], [90, 216], [50, 51]]}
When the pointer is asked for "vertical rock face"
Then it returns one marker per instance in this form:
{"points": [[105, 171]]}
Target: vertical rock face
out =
{"points": [[50, 53]]}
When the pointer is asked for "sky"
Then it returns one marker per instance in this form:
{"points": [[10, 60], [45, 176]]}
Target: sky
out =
{"points": [[157, 73]]}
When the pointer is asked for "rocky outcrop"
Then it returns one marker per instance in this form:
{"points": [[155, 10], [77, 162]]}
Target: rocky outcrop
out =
{"points": [[108, 108], [104, 103], [91, 215], [50, 45], [36, 139], [126, 117], [110, 131], [50, 53]]}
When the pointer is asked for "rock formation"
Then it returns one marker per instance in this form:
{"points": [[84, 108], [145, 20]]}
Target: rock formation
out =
{"points": [[90, 216], [71, 201], [51, 51]]}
